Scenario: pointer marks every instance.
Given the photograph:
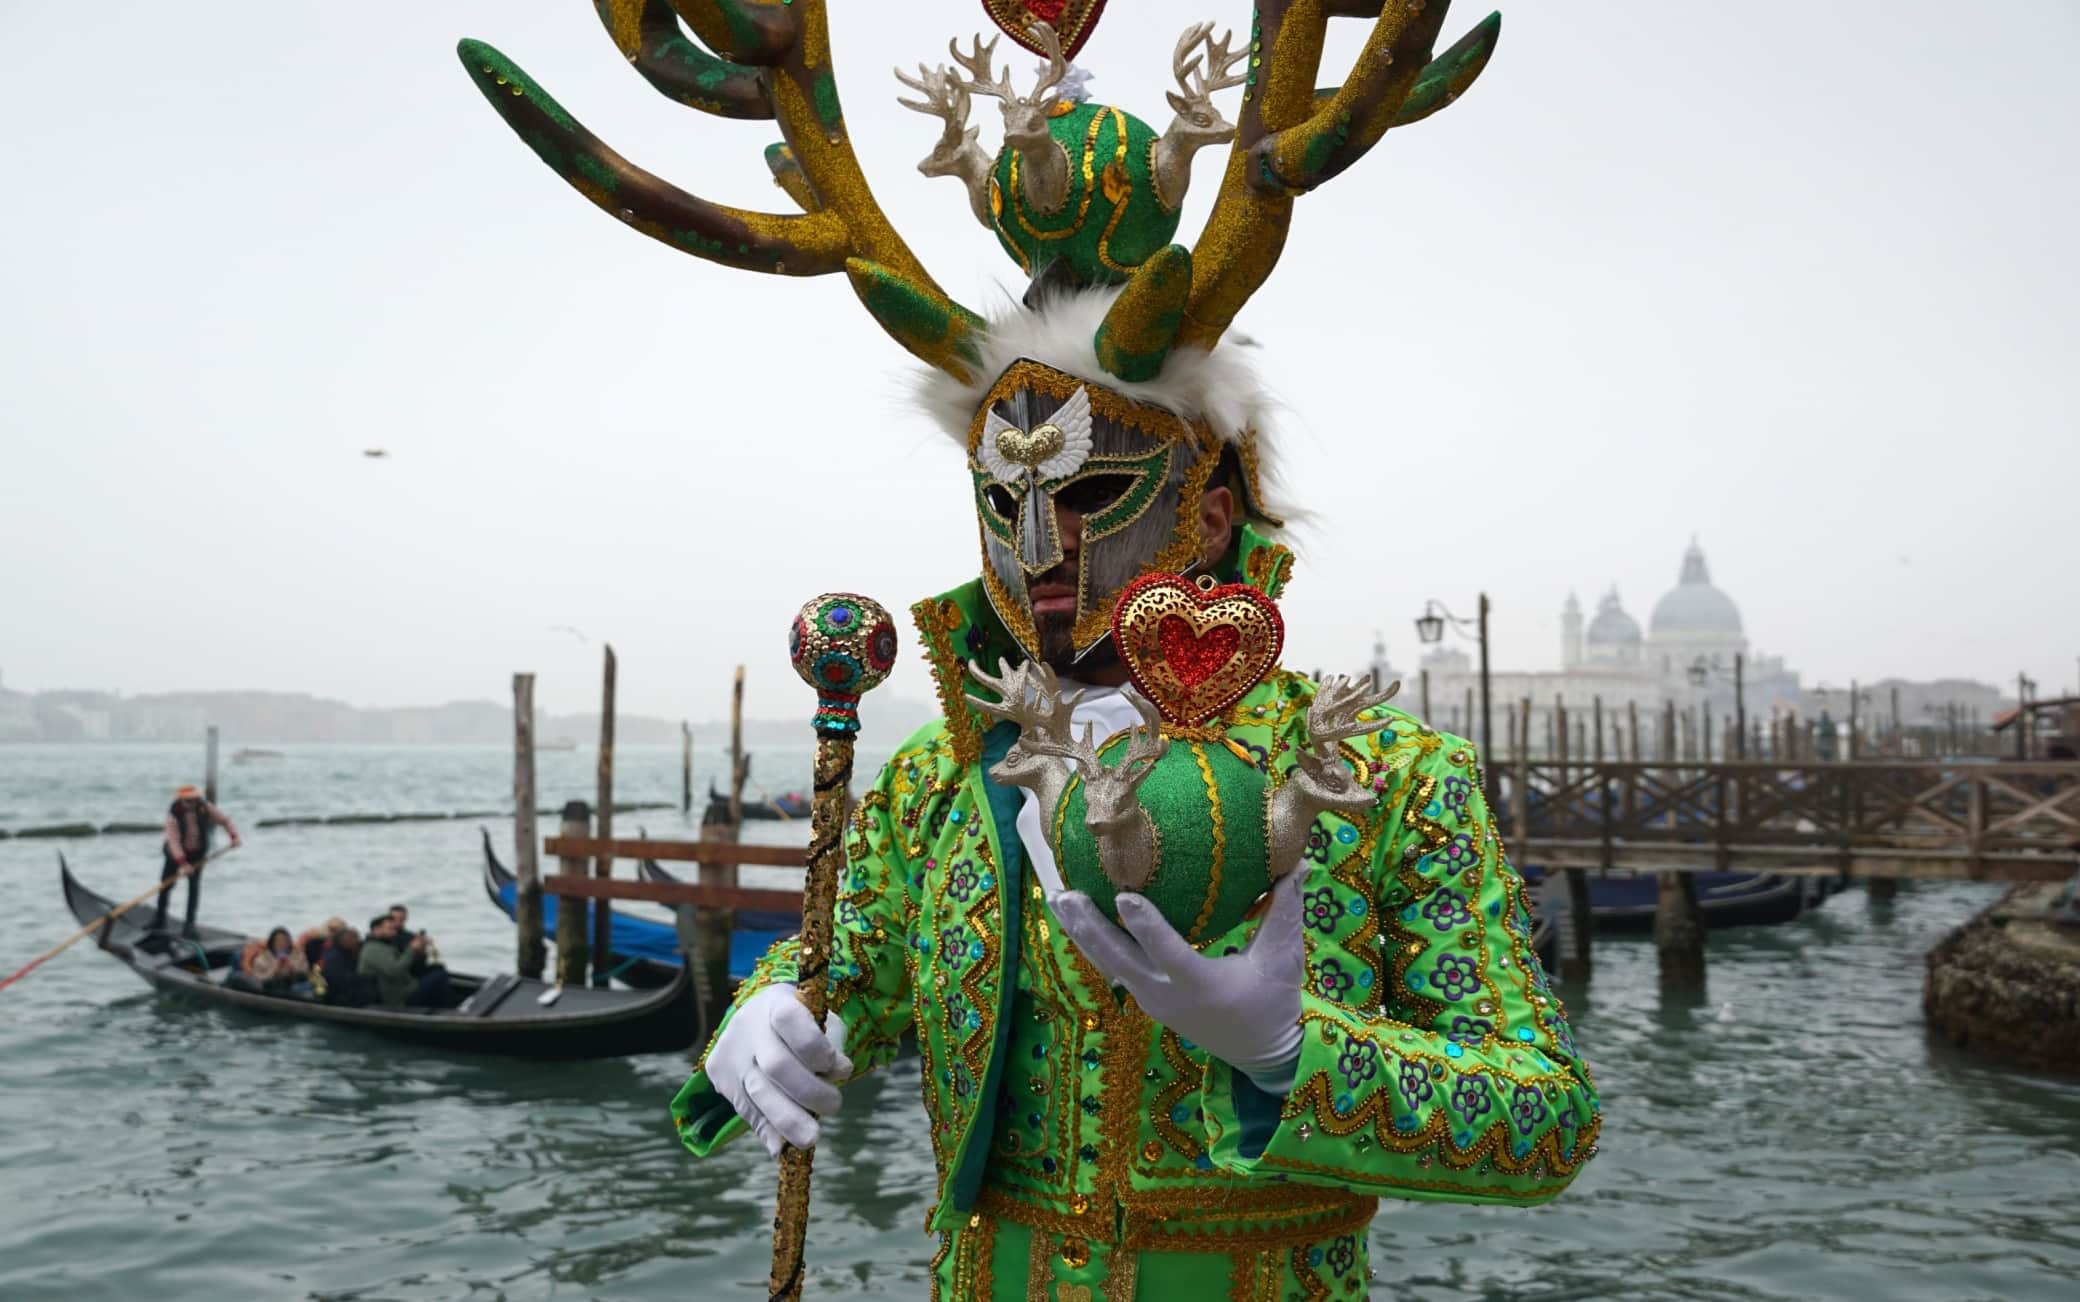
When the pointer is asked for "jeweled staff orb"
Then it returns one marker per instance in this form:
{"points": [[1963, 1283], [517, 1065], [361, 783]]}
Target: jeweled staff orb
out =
{"points": [[843, 645]]}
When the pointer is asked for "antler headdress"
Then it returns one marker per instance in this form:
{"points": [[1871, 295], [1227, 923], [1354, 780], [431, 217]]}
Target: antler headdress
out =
{"points": [[771, 59]]}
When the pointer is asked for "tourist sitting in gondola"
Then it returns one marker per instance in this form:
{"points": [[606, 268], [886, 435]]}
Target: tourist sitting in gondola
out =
{"points": [[402, 975], [314, 942], [275, 965], [400, 915], [339, 979]]}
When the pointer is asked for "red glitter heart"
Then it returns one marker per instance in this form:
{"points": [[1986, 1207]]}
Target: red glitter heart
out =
{"points": [[1195, 652], [1073, 20], [1195, 657]]}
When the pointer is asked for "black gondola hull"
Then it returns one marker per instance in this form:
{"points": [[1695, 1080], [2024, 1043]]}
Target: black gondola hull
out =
{"points": [[500, 1015]]}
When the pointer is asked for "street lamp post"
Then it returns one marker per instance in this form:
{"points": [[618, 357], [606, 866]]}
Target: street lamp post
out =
{"points": [[1430, 626], [1703, 670]]}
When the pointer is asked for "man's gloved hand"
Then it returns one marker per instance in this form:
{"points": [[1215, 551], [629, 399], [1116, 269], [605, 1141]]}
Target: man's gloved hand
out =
{"points": [[775, 1067], [1243, 1009]]}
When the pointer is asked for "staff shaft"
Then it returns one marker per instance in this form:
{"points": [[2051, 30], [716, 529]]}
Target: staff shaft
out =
{"points": [[812, 987]]}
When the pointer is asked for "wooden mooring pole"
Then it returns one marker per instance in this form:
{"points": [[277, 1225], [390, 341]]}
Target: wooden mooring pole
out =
{"points": [[603, 866], [527, 843], [1678, 930], [685, 767], [571, 953], [209, 766]]}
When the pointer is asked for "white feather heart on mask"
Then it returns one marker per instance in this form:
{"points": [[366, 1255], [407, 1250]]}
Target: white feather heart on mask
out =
{"points": [[1073, 419], [993, 460]]}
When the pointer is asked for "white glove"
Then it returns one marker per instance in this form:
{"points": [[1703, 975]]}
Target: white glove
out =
{"points": [[1243, 1009], [775, 1067]]}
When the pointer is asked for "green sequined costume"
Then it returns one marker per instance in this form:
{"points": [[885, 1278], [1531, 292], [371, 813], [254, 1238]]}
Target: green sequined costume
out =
{"points": [[1084, 1152]]}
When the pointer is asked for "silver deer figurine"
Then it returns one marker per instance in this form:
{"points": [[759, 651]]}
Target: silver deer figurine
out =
{"points": [[1320, 782], [1048, 753]]}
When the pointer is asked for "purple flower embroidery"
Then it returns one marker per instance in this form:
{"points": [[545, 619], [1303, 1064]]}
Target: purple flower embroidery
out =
{"points": [[1457, 793], [1446, 909], [1359, 1062], [1470, 1030], [964, 881], [848, 915], [1343, 1254], [1317, 844], [1458, 853], [1470, 1098], [1330, 980], [1455, 976], [1415, 1082], [1321, 910], [1527, 1107], [953, 946]]}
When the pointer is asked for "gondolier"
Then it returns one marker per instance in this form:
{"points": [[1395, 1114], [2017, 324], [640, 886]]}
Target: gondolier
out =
{"points": [[185, 849], [1202, 957]]}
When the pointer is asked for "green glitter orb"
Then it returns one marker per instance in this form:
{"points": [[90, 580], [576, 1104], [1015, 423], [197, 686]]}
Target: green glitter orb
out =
{"points": [[1112, 220], [1208, 805]]}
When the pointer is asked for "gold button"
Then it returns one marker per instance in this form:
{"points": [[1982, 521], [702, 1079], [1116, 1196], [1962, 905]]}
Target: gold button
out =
{"points": [[1151, 1150], [1076, 1254], [1090, 1020], [975, 1221], [1079, 1204]]}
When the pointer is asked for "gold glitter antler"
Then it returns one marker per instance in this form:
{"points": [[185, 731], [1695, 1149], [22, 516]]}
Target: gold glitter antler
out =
{"points": [[1291, 137], [770, 59]]}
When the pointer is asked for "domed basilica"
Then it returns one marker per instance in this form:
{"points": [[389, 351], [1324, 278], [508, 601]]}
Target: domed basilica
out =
{"points": [[1612, 660]]}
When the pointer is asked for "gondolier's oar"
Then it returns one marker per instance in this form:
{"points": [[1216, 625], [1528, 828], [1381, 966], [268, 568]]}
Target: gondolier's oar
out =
{"points": [[110, 916], [843, 646]]}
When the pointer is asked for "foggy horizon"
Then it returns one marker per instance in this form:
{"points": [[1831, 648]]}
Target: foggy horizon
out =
{"points": [[1810, 299]]}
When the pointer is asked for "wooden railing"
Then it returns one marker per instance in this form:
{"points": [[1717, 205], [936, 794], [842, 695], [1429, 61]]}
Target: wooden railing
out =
{"points": [[1958, 819], [702, 894]]}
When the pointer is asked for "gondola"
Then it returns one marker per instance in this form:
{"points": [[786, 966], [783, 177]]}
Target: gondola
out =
{"points": [[498, 1014], [784, 808], [1621, 905], [646, 951]]}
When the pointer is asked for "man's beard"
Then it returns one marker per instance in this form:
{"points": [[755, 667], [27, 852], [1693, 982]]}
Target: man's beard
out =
{"points": [[1058, 649]]}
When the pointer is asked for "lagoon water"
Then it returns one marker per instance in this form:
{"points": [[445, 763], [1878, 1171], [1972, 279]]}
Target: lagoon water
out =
{"points": [[1793, 1134]]}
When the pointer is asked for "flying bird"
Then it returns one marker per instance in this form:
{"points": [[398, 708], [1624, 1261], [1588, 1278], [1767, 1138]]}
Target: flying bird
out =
{"points": [[375, 454]]}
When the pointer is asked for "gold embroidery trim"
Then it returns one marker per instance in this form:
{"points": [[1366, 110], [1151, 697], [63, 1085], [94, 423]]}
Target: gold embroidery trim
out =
{"points": [[1220, 847], [949, 675]]}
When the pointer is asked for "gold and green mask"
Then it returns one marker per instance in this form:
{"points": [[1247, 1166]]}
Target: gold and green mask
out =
{"points": [[1130, 473]]}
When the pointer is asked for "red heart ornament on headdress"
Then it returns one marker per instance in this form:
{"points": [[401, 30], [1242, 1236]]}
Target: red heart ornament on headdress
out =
{"points": [[1195, 651], [1073, 20]]}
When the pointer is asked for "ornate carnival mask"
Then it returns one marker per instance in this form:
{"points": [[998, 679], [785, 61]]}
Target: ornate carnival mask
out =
{"points": [[1130, 472]]}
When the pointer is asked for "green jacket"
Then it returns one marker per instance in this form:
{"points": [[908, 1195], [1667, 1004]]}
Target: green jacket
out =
{"points": [[1435, 1061], [390, 969]]}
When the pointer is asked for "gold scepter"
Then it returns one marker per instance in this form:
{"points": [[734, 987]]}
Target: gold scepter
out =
{"points": [[842, 645]]}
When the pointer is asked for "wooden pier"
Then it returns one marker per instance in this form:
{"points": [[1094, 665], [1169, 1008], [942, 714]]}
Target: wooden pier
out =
{"points": [[1955, 819]]}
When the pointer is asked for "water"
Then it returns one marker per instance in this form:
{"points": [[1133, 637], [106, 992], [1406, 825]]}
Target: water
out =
{"points": [[1792, 1135]]}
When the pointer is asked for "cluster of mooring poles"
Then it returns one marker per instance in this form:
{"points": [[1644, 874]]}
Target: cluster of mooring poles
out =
{"points": [[585, 832]]}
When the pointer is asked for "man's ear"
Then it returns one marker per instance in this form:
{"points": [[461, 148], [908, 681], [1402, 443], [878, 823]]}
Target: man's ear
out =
{"points": [[1216, 523]]}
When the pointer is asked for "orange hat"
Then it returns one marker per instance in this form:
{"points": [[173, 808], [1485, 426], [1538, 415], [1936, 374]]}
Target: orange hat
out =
{"points": [[188, 793]]}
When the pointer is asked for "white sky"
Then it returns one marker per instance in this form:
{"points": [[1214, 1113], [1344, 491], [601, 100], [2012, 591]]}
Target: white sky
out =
{"points": [[1806, 288]]}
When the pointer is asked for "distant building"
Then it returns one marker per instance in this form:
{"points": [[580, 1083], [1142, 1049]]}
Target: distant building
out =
{"points": [[1610, 659], [18, 716]]}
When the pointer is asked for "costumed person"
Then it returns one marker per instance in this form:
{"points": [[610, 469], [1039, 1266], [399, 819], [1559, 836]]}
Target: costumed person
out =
{"points": [[189, 823], [1202, 957]]}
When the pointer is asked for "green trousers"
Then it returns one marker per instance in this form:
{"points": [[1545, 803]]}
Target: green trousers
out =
{"points": [[994, 1260]]}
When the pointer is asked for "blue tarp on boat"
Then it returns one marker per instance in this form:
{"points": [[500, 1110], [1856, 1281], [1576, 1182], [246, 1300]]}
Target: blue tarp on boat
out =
{"points": [[647, 938]]}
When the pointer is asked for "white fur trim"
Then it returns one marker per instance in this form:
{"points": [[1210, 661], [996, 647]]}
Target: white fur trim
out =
{"points": [[1217, 386]]}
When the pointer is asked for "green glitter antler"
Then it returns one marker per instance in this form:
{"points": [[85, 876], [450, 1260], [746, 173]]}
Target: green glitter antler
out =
{"points": [[771, 59]]}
